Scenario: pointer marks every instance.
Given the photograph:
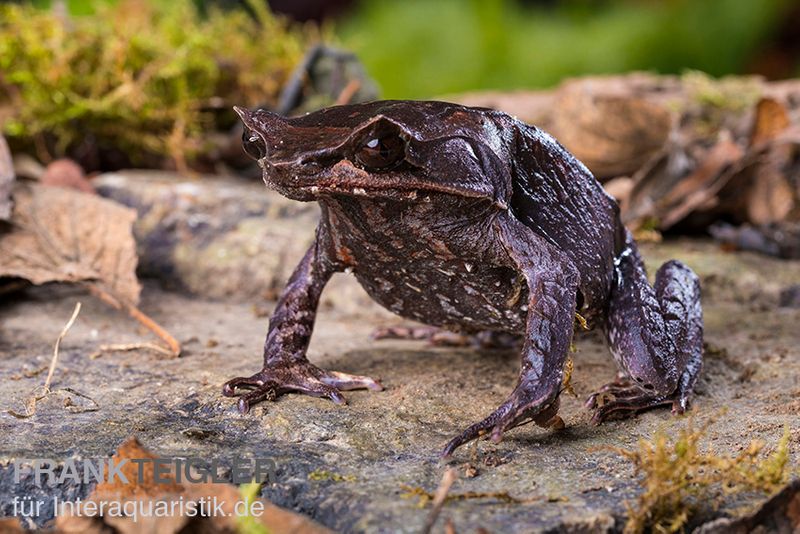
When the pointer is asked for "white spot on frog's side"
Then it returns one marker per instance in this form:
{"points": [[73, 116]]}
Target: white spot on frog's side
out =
{"points": [[468, 267], [359, 191], [415, 288]]}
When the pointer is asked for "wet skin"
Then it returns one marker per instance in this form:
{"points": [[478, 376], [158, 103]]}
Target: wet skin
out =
{"points": [[467, 219]]}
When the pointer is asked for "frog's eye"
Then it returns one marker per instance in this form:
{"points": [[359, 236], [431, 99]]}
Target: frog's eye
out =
{"points": [[381, 152], [253, 144]]}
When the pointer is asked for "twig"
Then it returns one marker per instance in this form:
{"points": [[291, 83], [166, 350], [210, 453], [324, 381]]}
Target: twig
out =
{"points": [[136, 313], [30, 402], [57, 345], [439, 498], [348, 92], [126, 347]]}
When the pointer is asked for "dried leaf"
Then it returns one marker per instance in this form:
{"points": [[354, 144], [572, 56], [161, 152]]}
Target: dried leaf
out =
{"points": [[702, 185], [609, 127], [771, 119], [273, 519], [770, 197], [68, 174], [61, 235], [781, 513], [6, 180]]}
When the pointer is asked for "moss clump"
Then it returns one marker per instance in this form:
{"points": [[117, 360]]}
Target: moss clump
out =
{"points": [[320, 475], [679, 477], [144, 79]]}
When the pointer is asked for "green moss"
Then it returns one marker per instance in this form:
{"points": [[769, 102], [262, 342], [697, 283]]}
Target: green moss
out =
{"points": [[246, 523], [147, 78], [320, 474], [679, 477]]}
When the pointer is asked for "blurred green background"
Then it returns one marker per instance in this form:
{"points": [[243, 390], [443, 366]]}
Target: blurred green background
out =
{"points": [[418, 48], [114, 83], [424, 48]]}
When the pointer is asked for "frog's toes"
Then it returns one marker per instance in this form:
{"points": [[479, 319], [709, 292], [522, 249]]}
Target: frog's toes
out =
{"points": [[297, 377], [629, 402], [514, 412]]}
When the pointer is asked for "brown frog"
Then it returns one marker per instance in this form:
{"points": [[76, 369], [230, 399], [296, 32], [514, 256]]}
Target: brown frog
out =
{"points": [[470, 220]]}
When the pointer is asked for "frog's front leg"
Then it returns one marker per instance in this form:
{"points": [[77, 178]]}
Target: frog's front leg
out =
{"points": [[286, 368], [552, 282], [656, 336]]}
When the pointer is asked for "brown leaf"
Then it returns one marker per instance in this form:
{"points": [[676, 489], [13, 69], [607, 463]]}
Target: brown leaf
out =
{"points": [[11, 525], [609, 126], [702, 185], [780, 513], [771, 119], [6, 180], [770, 197], [275, 520], [61, 235], [67, 174]]}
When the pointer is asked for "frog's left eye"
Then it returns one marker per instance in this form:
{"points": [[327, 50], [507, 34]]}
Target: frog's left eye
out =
{"points": [[381, 152], [253, 144]]}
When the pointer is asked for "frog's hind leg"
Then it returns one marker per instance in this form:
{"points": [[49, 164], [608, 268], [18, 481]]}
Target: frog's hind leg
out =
{"points": [[656, 336]]}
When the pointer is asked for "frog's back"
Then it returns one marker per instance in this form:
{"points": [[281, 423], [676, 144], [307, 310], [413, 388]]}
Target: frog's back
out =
{"points": [[555, 195]]}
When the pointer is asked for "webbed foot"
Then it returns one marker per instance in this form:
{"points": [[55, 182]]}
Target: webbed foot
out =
{"points": [[520, 408], [629, 399], [298, 377]]}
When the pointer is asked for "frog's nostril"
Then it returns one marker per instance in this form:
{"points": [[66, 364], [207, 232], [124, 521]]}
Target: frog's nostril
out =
{"points": [[644, 385]]}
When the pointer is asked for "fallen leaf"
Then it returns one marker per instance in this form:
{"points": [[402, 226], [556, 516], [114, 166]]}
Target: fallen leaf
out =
{"points": [[67, 174], [61, 235], [609, 126], [702, 185], [273, 519], [771, 118], [11, 525], [781, 513], [6, 180]]}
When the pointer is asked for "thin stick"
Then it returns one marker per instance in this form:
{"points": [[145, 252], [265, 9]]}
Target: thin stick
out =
{"points": [[439, 498], [126, 347], [136, 313], [348, 92], [57, 345]]}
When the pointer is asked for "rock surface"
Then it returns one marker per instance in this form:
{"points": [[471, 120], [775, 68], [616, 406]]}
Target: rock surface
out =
{"points": [[220, 238], [351, 467]]}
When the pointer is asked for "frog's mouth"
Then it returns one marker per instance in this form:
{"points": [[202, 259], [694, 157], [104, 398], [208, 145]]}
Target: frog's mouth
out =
{"points": [[346, 179]]}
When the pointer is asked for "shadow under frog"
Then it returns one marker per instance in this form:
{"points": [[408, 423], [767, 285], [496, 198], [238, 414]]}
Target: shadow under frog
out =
{"points": [[469, 220]]}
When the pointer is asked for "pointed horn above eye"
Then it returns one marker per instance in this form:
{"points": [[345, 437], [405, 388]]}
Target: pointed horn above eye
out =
{"points": [[246, 115]]}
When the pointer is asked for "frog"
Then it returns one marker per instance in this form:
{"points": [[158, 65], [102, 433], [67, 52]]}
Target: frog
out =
{"points": [[469, 220]]}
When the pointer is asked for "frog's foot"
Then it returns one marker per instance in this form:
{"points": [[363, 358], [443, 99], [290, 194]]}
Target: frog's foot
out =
{"points": [[630, 399], [432, 334], [295, 376], [519, 409], [444, 338]]}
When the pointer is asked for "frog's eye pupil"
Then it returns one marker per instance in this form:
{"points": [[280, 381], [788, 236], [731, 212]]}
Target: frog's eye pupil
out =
{"points": [[381, 153], [253, 145]]}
